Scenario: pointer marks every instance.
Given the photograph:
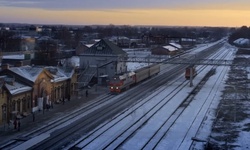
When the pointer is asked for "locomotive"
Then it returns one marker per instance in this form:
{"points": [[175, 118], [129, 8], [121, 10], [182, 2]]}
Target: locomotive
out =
{"points": [[188, 72], [122, 82]]}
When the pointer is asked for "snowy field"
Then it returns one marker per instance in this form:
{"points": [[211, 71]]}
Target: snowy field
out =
{"points": [[224, 113], [198, 127]]}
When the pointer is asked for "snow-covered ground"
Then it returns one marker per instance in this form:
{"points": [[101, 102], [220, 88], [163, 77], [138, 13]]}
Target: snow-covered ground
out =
{"points": [[206, 102], [185, 128]]}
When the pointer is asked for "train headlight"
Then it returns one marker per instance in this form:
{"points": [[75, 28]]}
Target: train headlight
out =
{"points": [[111, 87], [117, 88]]}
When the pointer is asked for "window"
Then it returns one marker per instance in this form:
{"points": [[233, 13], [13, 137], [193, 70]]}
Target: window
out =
{"points": [[28, 102], [24, 109], [19, 105], [13, 106]]}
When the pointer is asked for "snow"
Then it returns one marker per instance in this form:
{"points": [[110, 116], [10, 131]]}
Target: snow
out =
{"points": [[75, 61], [89, 45], [27, 72], [20, 90], [242, 41], [170, 48], [32, 141], [199, 127], [18, 57], [176, 45], [16, 87], [134, 66], [32, 72]]}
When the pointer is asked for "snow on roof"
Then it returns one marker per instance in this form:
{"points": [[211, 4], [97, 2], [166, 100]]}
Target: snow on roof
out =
{"points": [[89, 45], [131, 73], [176, 45], [103, 76], [17, 88], [119, 38], [31, 73], [122, 77], [75, 61], [131, 66], [242, 41], [21, 56], [97, 40], [170, 48], [28, 72], [187, 39], [58, 74]]}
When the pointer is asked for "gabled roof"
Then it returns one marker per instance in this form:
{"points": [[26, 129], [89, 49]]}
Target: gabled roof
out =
{"points": [[176, 45], [28, 72], [14, 87], [242, 41], [104, 47], [60, 74], [170, 48], [31, 73], [17, 88], [18, 57]]}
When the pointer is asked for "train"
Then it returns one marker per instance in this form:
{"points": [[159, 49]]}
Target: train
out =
{"points": [[122, 82], [188, 71]]}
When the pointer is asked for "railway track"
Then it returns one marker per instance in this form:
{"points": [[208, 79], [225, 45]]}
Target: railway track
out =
{"points": [[89, 140], [91, 120], [168, 135], [93, 135], [53, 125]]}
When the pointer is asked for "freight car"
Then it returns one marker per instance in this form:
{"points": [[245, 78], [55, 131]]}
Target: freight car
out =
{"points": [[124, 81], [190, 70]]}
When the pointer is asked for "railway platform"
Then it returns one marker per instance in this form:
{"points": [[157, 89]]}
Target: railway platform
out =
{"points": [[41, 118]]}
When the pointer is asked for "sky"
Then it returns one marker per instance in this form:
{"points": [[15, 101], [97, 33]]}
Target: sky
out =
{"points": [[227, 13]]}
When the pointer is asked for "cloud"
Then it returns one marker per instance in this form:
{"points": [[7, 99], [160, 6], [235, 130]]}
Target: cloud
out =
{"points": [[126, 4], [18, 3]]}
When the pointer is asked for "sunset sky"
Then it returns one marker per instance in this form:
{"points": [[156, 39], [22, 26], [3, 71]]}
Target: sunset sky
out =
{"points": [[228, 13]]}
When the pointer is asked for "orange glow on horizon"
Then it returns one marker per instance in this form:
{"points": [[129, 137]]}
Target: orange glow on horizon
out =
{"points": [[173, 17]]}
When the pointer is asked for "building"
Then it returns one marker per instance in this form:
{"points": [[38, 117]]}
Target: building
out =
{"points": [[165, 50], [27, 89], [27, 43], [82, 47], [100, 61], [120, 41], [17, 59]]}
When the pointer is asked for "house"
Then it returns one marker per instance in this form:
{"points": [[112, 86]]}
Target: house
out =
{"points": [[17, 98], [82, 47], [188, 42], [242, 42], [101, 60], [120, 41], [27, 89], [176, 45], [3, 98], [17, 59], [27, 43], [165, 50]]}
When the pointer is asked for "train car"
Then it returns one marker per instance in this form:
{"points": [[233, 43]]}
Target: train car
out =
{"points": [[189, 70], [120, 83], [154, 69], [141, 74]]}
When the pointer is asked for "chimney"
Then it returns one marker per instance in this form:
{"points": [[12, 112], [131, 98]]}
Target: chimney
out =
{"points": [[19, 64], [5, 66]]}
